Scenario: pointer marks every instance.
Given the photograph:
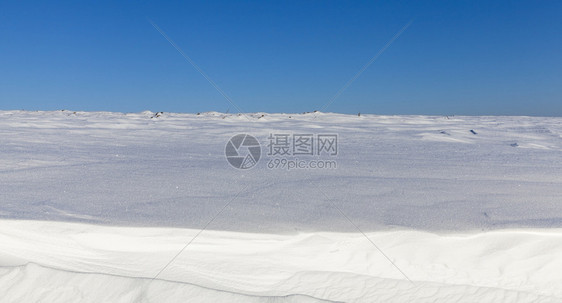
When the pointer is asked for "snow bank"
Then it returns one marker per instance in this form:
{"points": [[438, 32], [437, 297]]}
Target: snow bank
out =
{"points": [[117, 264]]}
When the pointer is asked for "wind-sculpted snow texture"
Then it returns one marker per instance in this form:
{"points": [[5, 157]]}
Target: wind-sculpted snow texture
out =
{"points": [[70, 262], [94, 204], [419, 172]]}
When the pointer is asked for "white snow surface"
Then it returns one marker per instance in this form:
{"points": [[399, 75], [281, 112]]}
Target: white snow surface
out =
{"points": [[95, 204]]}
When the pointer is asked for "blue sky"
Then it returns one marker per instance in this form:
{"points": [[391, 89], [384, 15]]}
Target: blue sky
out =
{"points": [[457, 57]]}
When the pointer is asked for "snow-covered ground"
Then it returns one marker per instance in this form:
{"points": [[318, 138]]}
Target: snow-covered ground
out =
{"points": [[94, 205]]}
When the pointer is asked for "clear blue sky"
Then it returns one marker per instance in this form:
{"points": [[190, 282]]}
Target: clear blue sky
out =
{"points": [[457, 57]]}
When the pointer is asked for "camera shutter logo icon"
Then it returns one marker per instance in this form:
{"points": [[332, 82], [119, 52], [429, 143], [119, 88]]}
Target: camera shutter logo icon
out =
{"points": [[243, 151]]}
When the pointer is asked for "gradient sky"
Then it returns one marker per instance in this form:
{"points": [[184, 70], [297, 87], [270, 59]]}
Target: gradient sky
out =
{"points": [[457, 57]]}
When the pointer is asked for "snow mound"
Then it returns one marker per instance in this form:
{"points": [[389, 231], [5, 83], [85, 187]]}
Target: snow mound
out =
{"points": [[118, 264]]}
